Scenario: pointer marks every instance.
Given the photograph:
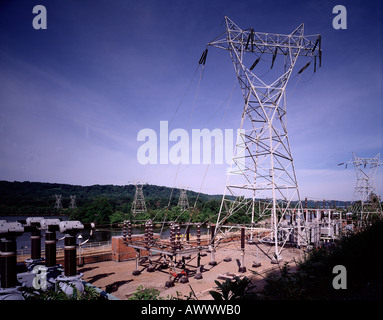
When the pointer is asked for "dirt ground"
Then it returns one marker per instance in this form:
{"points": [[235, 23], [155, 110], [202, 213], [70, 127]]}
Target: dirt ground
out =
{"points": [[117, 278]]}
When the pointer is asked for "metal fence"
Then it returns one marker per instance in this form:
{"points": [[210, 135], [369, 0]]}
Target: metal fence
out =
{"points": [[88, 247]]}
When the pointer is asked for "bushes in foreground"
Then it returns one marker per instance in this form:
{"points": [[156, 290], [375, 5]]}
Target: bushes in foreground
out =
{"points": [[359, 253]]}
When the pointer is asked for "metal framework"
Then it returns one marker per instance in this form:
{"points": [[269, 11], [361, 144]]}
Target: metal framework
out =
{"points": [[168, 250], [183, 201], [58, 204], [262, 166], [72, 204], [365, 199], [138, 205]]}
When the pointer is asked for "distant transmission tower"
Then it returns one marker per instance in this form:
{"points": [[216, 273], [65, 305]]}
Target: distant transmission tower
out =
{"points": [[72, 204], [183, 201], [365, 199], [262, 166], [58, 204], [138, 201]]}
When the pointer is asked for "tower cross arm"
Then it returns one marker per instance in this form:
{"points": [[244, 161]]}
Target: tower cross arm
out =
{"points": [[260, 42]]}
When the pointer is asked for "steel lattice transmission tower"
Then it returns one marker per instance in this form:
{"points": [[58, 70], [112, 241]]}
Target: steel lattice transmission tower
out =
{"points": [[138, 205], [262, 166], [58, 204], [72, 204], [183, 201], [365, 190]]}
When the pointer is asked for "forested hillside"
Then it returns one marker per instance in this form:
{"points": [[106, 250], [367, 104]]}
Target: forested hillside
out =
{"points": [[111, 203], [104, 203]]}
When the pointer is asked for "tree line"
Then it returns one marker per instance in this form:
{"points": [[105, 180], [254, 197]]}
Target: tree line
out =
{"points": [[104, 204]]}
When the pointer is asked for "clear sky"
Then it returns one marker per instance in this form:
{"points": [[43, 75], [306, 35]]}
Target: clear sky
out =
{"points": [[73, 97]]}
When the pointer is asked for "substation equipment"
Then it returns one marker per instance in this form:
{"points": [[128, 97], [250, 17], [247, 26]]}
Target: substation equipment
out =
{"points": [[365, 200], [163, 253], [38, 272], [262, 181]]}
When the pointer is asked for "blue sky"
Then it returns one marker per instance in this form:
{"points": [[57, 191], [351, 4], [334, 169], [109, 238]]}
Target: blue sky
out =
{"points": [[73, 97]]}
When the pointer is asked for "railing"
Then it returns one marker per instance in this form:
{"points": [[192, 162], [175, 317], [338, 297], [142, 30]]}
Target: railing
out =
{"points": [[88, 247]]}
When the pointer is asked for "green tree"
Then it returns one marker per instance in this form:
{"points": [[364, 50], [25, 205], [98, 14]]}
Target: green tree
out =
{"points": [[233, 289], [356, 252], [118, 216], [99, 211]]}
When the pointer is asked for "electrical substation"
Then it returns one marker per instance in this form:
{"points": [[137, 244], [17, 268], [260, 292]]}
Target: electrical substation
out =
{"points": [[262, 184]]}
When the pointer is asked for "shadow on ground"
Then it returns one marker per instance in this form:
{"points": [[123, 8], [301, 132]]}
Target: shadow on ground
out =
{"points": [[113, 287]]}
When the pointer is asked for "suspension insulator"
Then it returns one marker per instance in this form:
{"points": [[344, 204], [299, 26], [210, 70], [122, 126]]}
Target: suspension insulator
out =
{"points": [[202, 60], [315, 45], [304, 68], [274, 56], [255, 63], [250, 38]]}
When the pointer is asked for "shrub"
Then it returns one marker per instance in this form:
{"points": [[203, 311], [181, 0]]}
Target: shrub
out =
{"points": [[143, 293]]}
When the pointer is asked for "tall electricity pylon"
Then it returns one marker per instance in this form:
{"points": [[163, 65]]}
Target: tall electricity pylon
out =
{"points": [[72, 204], [363, 202], [58, 204], [183, 201], [138, 205], [262, 166]]}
